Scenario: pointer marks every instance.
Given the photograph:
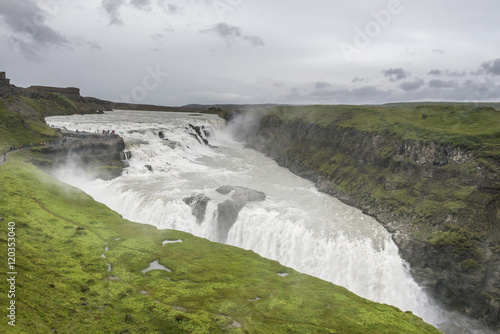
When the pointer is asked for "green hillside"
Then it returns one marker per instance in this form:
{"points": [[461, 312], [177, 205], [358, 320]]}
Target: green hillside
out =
{"points": [[469, 126]]}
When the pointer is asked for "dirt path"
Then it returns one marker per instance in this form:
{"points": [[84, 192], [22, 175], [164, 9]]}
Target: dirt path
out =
{"points": [[3, 157]]}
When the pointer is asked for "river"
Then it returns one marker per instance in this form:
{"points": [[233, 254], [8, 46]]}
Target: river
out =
{"points": [[296, 224]]}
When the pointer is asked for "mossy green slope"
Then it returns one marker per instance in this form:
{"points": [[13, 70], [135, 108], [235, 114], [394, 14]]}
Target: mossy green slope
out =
{"points": [[65, 240], [466, 125], [22, 119]]}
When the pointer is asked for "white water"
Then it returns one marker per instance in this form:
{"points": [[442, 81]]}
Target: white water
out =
{"points": [[296, 225]]}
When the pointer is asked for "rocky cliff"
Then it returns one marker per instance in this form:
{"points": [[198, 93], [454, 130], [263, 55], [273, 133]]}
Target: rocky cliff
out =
{"points": [[100, 156], [436, 189]]}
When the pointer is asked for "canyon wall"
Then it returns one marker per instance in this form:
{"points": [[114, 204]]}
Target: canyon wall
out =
{"points": [[439, 200]]}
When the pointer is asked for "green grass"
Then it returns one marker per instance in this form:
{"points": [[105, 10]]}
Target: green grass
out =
{"points": [[463, 125], [22, 128], [63, 282]]}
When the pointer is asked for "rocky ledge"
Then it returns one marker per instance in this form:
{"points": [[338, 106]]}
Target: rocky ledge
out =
{"points": [[99, 155]]}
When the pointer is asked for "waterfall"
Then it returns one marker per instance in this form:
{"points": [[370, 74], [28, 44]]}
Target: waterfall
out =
{"points": [[177, 164]]}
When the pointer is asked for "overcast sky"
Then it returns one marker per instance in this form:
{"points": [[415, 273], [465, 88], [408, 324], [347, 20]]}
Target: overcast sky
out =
{"points": [[254, 51]]}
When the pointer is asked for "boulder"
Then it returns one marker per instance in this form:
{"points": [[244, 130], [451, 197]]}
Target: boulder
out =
{"points": [[229, 209], [198, 204], [242, 194], [227, 214]]}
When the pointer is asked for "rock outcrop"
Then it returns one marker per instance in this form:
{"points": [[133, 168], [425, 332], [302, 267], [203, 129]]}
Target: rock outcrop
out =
{"points": [[198, 204], [100, 156], [199, 133], [229, 209], [6, 88]]}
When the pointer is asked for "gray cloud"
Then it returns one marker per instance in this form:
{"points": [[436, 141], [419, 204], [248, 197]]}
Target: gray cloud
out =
{"points": [[321, 85], [370, 93], [437, 84], [29, 32], [395, 74], [492, 67], [232, 33], [456, 74], [141, 4], [157, 37], [173, 9], [411, 85], [416, 90], [254, 40], [293, 95], [435, 72], [449, 73], [438, 51], [112, 8], [92, 45], [356, 79], [367, 94]]}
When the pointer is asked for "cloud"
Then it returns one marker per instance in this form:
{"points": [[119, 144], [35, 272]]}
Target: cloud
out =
{"points": [[321, 85], [435, 72], [171, 8], [455, 74], [112, 8], [92, 45], [370, 93], [29, 33], [437, 84], [293, 95], [232, 33], [141, 4], [492, 67], [356, 79], [438, 51], [254, 40], [395, 74], [367, 94], [411, 85]]}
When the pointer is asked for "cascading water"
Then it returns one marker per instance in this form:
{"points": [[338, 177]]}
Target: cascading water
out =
{"points": [[172, 165]]}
